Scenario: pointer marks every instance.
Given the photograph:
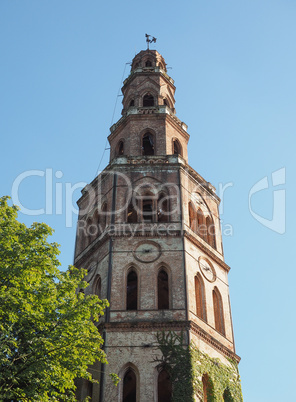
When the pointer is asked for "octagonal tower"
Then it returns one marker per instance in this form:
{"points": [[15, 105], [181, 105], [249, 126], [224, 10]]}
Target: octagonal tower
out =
{"points": [[149, 235]]}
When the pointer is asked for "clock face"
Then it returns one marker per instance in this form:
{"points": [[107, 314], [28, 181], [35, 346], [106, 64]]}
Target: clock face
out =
{"points": [[147, 251], [207, 269]]}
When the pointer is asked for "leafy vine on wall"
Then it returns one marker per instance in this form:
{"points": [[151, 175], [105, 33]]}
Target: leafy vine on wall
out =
{"points": [[187, 365]]}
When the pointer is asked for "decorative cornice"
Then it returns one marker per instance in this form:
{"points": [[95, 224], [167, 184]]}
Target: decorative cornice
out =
{"points": [[172, 326], [157, 111], [206, 250], [212, 341]]}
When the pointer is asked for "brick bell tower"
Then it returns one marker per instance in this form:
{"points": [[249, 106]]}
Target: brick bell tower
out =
{"points": [[149, 235]]}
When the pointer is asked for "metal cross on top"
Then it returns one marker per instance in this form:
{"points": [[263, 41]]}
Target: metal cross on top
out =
{"points": [[150, 39]]}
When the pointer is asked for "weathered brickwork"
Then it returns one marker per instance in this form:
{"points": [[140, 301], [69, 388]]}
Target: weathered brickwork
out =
{"points": [[150, 217]]}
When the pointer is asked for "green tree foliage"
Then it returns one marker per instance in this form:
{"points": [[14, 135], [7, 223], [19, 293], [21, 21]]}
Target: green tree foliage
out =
{"points": [[48, 335]]}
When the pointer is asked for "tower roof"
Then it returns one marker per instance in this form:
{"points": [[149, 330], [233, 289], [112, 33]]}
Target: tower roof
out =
{"points": [[148, 58]]}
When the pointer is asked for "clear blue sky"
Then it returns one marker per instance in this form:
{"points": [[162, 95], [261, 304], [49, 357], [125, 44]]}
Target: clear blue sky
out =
{"points": [[234, 67]]}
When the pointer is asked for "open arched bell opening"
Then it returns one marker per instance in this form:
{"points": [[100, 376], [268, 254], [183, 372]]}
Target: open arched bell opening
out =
{"points": [[120, 148], [148, 144], [177, 148], [162, 208], [132, 215], [147, 210], [148, 100]]}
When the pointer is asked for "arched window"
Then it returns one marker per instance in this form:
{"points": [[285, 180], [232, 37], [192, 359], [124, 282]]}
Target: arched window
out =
{"points": [[165, 102], [218, 311], [163, 290], [148, 100], [201, 226], [103, 217], [120, 148], [90, 230], [132, 216], [148, 144], [210, 232], [129, 393], [192, 220], [148, 63], [177, 149], [81, 236], [227, 396], [162, 209], [164, 387], [97, 286], [96, 223], [132, 291], [89, 389], [200, 297], [207, 388], [132, 103]]}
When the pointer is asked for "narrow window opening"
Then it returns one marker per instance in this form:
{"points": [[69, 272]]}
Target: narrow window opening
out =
{"points": [[200, 298], [148, 145], [132, 291], [165, 102], [129, 387], [132, 103], [132, 216], [163, 290], [177, 148], [201, 226], [210, 232], [218, 311], [148, 63], [91, 229], [120, 148], [148, 210], [103, 218], [206, 388], [192, 220], [97, 286], [148, 101], [97, 223], [89, 390], [164, 387]]}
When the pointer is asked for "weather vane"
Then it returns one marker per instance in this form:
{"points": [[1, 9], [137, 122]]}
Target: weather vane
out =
{"points": [[150, 39]]}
